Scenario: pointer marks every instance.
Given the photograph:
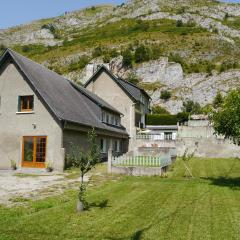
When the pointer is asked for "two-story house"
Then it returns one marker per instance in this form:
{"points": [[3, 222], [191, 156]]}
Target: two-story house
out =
{"points": [[129, 99], [42, 113]]}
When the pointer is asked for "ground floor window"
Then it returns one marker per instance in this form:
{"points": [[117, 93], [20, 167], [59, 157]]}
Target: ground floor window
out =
{"points": [[168, 136], [103, 146], [117, 146], [34, 151]]}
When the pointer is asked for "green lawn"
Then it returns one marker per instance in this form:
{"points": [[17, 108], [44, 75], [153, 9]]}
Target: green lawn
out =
{"points": [[206, 207]]}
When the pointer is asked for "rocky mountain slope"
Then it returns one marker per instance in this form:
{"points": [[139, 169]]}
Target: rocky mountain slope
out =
{"points": [[191, 48]]}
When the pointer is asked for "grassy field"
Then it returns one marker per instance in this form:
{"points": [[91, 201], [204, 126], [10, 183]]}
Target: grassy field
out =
{"points": [[175, 207]]}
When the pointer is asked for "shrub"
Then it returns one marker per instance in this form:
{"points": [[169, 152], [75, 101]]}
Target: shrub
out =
{"points": [[176, 58], [97, 52], [2, 47], [226, 16], [228, 65], [157, 109], [80, 64], [207, 109], [127, 58], [142, 54], [166, 95], [181, 10], [156, 52], [113, 53], [106, 59], [218, 100], [26, 48], [192, 107], [179, 23], [132, 78], [52, 29], [161, 119]]}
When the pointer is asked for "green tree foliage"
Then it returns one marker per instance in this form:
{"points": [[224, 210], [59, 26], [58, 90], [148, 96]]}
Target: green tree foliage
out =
{"points": [[207, 109], [80, 64], [127, 58], [192, 107], [85, 161], [182, 117], [218, 100], [157, 109], [226, 119], [166, 95], [179, 23], [142, 54]]}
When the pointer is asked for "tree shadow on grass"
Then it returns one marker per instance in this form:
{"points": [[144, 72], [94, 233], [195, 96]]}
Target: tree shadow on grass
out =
{"points": [[233, 183], [100, 204], [138, 235]]}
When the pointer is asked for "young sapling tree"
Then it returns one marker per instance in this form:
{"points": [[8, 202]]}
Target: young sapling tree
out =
{"points": [[86, 161], [186, 158]]}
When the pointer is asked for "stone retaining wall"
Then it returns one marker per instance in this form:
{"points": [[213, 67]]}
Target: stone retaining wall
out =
{"points": [[138, 171]]}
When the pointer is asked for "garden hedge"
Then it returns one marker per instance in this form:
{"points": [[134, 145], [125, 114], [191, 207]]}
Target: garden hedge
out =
{"points": [[161, 119]]}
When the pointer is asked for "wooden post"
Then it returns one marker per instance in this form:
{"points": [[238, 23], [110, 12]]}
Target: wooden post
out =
{"points": [[110, 156]]}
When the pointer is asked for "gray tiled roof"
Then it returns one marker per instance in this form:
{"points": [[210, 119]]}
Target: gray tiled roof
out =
{"points": [[131, 90], [66, 100]]}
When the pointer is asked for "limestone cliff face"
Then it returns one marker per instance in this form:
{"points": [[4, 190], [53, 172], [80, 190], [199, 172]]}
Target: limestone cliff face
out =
{"points": [[199, 87], [164, 75]]}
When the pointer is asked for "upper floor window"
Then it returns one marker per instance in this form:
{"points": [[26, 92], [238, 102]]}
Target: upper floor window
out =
{"points": [[26, 103], [110, 118], [103, 116]]}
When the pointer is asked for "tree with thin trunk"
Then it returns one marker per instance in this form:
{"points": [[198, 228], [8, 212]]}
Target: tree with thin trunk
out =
{"points": [[86, 161], [186, 158]]}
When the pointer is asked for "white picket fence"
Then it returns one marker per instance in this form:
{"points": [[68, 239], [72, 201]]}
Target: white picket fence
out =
{"points": [[142, 161]]}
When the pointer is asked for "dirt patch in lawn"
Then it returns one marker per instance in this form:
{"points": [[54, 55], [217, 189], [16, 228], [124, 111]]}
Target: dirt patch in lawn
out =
{"points": [[20, 187]]}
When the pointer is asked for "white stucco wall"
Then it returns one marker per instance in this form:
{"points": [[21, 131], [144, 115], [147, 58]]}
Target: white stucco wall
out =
{"points": [[13, 126]]}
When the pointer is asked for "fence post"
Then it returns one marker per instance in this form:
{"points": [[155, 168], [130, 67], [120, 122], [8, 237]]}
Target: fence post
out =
{"points": [[110, 156]]}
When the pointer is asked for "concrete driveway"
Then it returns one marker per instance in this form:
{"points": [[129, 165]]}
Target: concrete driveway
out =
{"points": [[20, 185]]}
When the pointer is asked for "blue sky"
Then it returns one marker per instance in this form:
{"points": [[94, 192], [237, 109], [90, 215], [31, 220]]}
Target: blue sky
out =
{"points": [[15, 12]]}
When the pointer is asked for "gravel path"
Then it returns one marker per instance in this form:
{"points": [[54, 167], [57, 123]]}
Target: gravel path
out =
{"points": [[30, 184]]}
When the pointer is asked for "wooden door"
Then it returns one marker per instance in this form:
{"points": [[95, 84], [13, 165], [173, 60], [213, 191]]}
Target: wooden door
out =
{"points": [[34, 151]]}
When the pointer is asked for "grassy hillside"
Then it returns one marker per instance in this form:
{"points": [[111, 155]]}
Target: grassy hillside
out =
{"points": [[206, 207], [130, 25], [164, 37]]}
